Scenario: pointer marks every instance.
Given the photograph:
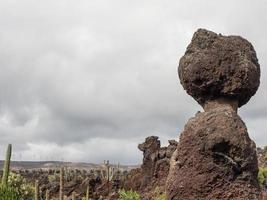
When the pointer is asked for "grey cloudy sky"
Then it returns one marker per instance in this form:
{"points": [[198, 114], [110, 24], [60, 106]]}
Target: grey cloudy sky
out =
{"points": [[89, 80]]}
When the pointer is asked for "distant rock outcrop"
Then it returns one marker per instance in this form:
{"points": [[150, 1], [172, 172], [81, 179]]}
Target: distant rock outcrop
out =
{"points": [[215, 158], [154, 169], [150, 150], [156, 159]]}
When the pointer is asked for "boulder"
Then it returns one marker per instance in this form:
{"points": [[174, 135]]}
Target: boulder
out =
{"points": [[219, 66]]}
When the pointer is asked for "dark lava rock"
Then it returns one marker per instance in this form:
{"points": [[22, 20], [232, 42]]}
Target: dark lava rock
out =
{"points": [[171, 148], [219, 66], [154, 170], [215, 159], [156, 159], [150, 149]]}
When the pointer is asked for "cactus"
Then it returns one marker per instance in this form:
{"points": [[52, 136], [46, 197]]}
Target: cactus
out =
{"points": [[9, 193], [47, 197], [7, 165], [87, 193], [107, 173], [36, 194], [61, 184], [73, 195], [108, 170]]}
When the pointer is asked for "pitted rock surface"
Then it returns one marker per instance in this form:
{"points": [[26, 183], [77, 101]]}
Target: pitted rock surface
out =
{"points": [[156, 161], [215, 159], [150, 150], [219, 66]]}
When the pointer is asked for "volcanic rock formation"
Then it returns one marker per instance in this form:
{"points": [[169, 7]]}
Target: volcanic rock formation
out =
{"points": [[215, 158], [156, 160]]}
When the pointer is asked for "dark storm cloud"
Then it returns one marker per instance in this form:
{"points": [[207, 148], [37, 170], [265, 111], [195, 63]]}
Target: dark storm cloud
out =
{"points": [[89, 80]]}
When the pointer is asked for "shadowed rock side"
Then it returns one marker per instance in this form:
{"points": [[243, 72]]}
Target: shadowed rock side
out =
{"points": [[150, 150], [156, 159], [215, 158]]}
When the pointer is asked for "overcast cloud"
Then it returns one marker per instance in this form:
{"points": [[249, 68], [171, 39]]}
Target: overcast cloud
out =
{"points": [[89, 80]]}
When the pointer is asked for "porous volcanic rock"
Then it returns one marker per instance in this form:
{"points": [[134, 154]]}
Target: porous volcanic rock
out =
{"points": [[215, 158], [154, 170], [156, 159], [150, 149], [219, 66]]}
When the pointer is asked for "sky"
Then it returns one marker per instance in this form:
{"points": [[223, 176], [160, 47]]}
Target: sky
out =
{"points": [[87, 81]]}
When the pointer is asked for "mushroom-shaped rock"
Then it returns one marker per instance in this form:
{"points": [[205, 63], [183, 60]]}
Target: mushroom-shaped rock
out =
{"points": [[216, 66], [215, 158]]}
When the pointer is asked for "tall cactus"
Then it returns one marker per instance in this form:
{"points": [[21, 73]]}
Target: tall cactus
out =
{"points": [[7, 165], [73, 196], [36, 194], [61, 184], [108, 174], [108, 171], [87, 192], [47, 197]]}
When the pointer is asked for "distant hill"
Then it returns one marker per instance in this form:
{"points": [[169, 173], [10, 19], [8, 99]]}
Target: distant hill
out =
{"points": [[30, 165]]}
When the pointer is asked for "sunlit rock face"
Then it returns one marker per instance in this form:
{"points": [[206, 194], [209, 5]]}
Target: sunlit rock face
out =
{"points": [[215, 158]]}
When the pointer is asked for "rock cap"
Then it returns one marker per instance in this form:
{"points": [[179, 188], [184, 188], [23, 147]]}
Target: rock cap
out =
{"points": [[216, 66]]}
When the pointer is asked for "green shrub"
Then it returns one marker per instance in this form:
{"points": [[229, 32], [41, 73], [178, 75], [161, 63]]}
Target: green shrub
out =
{"points": [[19, 184], [9, 193], [262, 176], [159, 195], [128, 195]]}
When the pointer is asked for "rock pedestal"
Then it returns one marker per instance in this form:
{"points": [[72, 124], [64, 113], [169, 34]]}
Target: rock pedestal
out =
{"points": [[215, 158]]}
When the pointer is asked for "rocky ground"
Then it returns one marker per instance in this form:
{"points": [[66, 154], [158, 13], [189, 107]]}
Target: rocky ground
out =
{"points": [[151, 183], [77, 180], [149, 179]]}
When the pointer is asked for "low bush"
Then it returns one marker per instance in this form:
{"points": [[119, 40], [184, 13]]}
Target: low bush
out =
{"points": [[20, 185], [128, 195], [159, 195], [262, 176], [9, 193]]}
